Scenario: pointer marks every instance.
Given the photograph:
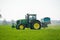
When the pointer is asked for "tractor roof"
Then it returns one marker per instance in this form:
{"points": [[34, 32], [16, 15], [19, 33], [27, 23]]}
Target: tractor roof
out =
{"points": [[31, 14]]}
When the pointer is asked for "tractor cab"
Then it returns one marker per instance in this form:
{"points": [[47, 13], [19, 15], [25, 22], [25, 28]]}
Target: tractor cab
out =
{"points": [[30, 17]]}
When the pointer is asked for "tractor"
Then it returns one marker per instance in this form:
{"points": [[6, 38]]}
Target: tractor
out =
{"points": [[31, 22]]}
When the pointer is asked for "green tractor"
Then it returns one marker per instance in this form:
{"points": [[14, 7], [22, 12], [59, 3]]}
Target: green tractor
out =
{"points": [[31, 22]]}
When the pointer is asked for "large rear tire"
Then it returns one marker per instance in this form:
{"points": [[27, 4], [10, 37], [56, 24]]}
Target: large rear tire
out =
{"points": [[36, 25]]}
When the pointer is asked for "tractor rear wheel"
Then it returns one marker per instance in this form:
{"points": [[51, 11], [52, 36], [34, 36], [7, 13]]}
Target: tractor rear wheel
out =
{"points": [[36, 24]]}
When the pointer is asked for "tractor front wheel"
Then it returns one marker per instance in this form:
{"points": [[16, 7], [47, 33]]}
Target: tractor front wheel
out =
{"points": [[20, 26]]}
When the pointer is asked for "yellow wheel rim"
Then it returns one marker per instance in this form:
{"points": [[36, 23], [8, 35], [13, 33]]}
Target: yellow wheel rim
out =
{"points": [[36, 26], [21, 26]]}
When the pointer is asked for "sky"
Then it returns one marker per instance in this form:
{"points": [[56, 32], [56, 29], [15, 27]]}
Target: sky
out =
{"points": [[17, 9]]}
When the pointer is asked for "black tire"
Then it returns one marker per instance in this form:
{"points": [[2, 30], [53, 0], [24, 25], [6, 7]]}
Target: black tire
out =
{"points": [[20, 26], [35, 25]]}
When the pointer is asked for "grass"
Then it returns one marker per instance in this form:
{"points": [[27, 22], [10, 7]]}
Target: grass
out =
{"points": [[8, 33]]}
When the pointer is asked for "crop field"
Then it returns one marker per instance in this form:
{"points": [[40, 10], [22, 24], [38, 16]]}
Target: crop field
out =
{"points": [[9, 33]]}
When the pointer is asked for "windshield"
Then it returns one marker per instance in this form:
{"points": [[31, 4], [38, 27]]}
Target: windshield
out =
{"points": [[32, 18]]}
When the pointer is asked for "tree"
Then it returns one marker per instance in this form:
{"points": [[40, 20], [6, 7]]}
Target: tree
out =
{"points": [[4, 21]]}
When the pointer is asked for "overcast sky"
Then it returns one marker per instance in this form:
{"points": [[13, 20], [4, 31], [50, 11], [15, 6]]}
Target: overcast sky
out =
{"points": [[17, 9]]}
